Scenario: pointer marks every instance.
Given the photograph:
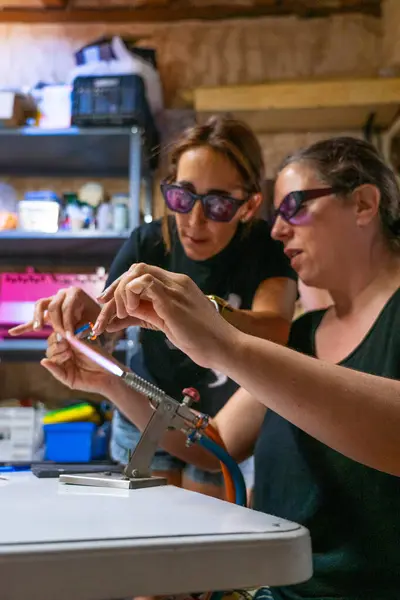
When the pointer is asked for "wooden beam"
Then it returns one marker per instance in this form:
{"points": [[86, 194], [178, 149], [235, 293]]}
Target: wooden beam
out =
{"points": [[317, 8], [299, 94], [18, 4], [54, 3], [304, 106], [31, 4], [154, 14], [314, 119]]}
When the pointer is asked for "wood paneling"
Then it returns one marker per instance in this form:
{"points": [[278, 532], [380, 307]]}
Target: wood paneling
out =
{"points": [[151, 11]]}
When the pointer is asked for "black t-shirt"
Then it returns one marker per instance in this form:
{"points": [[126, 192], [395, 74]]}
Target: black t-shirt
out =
{"points": [[234, 274], [352, 511]]}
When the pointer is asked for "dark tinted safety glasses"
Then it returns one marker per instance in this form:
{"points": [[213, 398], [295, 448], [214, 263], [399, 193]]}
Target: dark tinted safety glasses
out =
{"points": [[293, 202], [216, 207]]}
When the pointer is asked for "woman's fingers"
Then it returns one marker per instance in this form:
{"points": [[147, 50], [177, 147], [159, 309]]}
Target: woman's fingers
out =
{"points": [[141, 296], [62, 357], [56, 370], [170, 302], [157, 272], [72, 309], [21, 329], [109, 292], [58, 349], [134, 271], [66, 309], [41, 306], [120, 324], [120, 302], [55, 348], [37, 322], [129, 292], [127, 298], [151, 300], [56, 310], [135, 291], [116, 306], [62, 311], [107, 313]]}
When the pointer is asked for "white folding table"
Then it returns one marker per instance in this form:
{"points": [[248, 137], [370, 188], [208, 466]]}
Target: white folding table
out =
{"points": [[69, 542]]}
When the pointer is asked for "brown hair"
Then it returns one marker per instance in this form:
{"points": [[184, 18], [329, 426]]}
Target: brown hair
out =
{"points": [[232, 138], [344, 163]]}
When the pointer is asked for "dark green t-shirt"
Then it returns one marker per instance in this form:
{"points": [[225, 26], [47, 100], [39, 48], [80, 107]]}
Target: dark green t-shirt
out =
{"points": [[352, 511]]}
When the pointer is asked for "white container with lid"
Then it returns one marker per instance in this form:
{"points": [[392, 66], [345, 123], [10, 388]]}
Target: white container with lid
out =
{"points": [[104, 217], [38, 215], [120, 203]]}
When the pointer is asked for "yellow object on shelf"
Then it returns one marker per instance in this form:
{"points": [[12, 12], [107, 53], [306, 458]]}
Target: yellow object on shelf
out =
{"points": [[70, 414]]}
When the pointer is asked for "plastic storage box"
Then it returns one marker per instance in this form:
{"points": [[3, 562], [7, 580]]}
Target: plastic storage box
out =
{"points": [[76, 442], [40, 216], [18, 427]]}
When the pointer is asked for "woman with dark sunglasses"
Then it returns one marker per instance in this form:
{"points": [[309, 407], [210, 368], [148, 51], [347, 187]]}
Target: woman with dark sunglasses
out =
{"points": [[213, 192], [327, 451]]}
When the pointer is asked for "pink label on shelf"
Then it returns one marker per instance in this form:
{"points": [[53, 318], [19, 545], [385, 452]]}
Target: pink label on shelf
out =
{"points": [[20, 291]]}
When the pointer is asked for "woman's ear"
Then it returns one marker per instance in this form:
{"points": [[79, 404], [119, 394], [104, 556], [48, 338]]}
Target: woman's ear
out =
{"points": [[250, 208], [367, 199]]}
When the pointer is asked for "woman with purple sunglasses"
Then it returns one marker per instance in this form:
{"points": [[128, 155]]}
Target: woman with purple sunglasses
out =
{"points": [[327, 452], [213, 192]]}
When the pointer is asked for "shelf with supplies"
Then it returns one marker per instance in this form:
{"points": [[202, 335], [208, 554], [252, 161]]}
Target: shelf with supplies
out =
{"points": [[88, 247], [25, 350], [74, 152], [20, 290], [83, 235], [77, 152]]}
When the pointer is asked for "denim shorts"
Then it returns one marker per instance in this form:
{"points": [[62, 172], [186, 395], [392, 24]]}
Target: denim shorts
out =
{"points": [[125, 436]]}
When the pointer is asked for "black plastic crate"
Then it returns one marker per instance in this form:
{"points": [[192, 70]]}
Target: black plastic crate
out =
{"points": [[114, 101]]}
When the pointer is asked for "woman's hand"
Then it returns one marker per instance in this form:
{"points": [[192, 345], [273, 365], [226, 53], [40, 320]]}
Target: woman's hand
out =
{"points": [[74, 369], [65, 311], [154, 298]]}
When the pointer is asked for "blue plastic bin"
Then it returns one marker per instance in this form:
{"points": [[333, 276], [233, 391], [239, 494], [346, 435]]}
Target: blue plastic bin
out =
{"points": [[76, 442]]}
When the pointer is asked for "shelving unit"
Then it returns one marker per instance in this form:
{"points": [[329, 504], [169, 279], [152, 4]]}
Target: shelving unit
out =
{"points": [[67, 152], [90, 152], [88, 247], [25, 350]]}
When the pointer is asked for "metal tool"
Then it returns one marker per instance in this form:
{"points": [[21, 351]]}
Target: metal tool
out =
{"points": [[168, 413]]}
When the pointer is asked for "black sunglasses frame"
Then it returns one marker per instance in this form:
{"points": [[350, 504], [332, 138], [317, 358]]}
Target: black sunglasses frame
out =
{"points": [[300, 197], [236, 204]]}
